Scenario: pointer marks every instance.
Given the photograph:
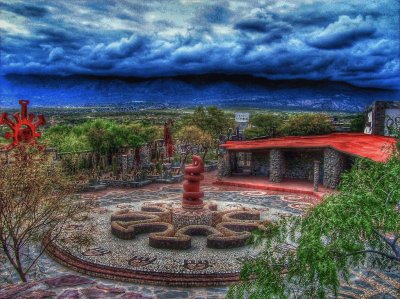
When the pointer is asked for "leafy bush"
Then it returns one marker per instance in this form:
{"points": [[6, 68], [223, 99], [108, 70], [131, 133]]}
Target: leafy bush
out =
{"points": [[264, 125], [100, 135], [193, 136], [211, 120], [306, 124], [357, 123], [306, 257]]}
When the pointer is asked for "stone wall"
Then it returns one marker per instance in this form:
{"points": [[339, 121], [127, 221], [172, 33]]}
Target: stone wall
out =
{"points": [[334, 164], [260, 164], [276, 166], [300, 165]]}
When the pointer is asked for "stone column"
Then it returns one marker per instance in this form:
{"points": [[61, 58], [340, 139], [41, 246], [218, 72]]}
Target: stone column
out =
{"points": [[224, 164], [124, 164], [252, 164], [276, 165], [233, 161], [316, 175], [333, 167]]}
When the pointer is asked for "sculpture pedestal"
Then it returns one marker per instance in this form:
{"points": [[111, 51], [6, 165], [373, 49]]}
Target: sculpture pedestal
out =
{"points": [[190, 204], [185, 217]]}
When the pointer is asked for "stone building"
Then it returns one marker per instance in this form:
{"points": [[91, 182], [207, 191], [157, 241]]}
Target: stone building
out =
{"points": [[319, 159]]}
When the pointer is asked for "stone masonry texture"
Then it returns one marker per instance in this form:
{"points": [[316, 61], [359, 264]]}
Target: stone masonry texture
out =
{"points": [[334, 163], [276, 166]]}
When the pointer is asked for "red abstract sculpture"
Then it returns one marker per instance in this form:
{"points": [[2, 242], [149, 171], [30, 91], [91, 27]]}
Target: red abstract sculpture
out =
{"points": [[169, 144], [192, 194], [24, 129]]}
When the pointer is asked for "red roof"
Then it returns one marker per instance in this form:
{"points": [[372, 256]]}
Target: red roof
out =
{"points": [[374, 147]]}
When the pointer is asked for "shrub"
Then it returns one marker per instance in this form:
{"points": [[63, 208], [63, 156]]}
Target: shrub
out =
{"points": [[306, 124]]}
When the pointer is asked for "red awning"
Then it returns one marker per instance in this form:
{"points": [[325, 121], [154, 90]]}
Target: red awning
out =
{"points": [[374, 147]]}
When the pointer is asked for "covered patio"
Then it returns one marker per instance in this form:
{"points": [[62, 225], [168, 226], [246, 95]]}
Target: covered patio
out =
{"points": [[304, 164]]}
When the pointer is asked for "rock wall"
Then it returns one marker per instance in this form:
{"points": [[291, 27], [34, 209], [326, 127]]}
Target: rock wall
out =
{"points": [[277, 165], [300, 165], [260, 164], [334, 163], [145, 155]]}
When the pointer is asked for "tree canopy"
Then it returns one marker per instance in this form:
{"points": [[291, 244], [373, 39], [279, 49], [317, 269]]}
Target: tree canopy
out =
{"points": [[279, 124], [306, 124], [310, 256], [264, 125], [211, 119], [193, 136], [100, 135]]}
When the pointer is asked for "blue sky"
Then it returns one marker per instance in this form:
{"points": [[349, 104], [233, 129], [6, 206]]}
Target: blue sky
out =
{"points": [[351, 41]]}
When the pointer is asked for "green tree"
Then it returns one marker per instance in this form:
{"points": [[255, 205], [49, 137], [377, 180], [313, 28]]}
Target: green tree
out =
{"points": [[66, 138], [308, 256], [107, 136], [357, 123], [264, 125], [102, 135], [306, 124], [211, 119], [194, 137]]}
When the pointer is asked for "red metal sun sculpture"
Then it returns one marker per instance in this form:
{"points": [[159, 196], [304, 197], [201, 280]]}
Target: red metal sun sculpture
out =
{"points": [[24, 129]]}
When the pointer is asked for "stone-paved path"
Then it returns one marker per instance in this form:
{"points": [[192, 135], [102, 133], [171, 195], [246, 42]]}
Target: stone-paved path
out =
{"points": [[55, 281]]}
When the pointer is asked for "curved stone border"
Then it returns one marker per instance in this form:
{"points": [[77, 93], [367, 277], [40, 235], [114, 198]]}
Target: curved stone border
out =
{"points": [[232, 227], [136, 276]]}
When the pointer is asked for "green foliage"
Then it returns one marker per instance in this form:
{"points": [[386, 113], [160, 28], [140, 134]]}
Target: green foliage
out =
{"points": [[66, 138], [308, 256], [306, 124], [264, 125], [211, 119], [357, 123], [192, 135], [277, 124], [100, 135]]}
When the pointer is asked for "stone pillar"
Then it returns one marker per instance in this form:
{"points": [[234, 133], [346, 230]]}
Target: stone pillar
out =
{"points": [[333, 167], [124, 164], [224, 164], [316, 175], [233, 161], [276, 165], [252, 164]]}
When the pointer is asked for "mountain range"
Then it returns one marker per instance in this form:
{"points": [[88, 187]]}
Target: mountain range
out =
{"points": [[224, 91]]}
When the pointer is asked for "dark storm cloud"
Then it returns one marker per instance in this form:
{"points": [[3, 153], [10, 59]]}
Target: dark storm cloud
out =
{"points": [[55, 35], [270, 29], [26, 10], [343, 33], [345, 40], [252, 25]]}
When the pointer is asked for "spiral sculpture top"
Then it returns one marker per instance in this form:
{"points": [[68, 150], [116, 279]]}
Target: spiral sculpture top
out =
{"points": [[191, 186]]}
